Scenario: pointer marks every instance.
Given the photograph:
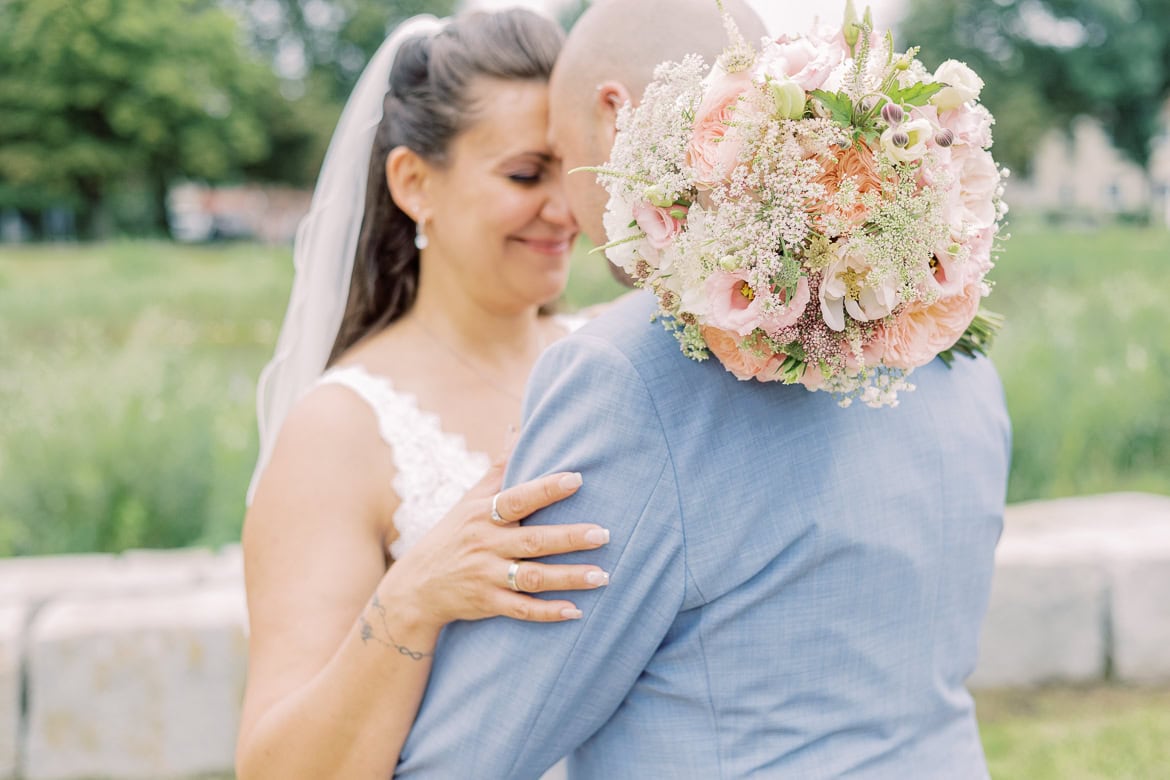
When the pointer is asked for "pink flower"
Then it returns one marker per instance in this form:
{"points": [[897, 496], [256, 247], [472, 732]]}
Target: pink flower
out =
{"points": [[714, 149], [970, 124], [789, 312], [805, 59], [920, 332], [953, 269], [979, 251], [734, 304], [978, 182], [660, 227], [950, 272], [745, 364]]}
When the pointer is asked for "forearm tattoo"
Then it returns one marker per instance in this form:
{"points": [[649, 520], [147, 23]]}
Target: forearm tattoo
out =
{"points": [[370, 633]]}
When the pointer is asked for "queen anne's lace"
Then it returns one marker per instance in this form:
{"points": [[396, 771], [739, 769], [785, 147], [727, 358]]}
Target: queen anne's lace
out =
{"points": [[434, 467]]}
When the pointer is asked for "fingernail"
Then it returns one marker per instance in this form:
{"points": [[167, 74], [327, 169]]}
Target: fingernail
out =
{"points": [[570, 481], [571, 614], [597, 536], [597, 578]]}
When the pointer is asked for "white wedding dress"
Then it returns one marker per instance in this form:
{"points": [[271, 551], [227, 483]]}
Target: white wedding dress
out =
{"points": [[434, 466]]}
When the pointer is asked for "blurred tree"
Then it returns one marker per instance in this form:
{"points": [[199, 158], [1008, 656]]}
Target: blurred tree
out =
{"points": [[1047, 61], [97, 93], [328, 41]]}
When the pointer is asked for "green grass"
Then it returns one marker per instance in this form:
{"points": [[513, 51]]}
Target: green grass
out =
{"points": [[1085, 359], [1076, 734]]}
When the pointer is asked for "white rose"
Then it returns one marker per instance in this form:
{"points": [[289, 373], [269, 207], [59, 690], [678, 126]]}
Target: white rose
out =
{"points": [[917, 131], [846, 287], [963, 84], [617, 218]]}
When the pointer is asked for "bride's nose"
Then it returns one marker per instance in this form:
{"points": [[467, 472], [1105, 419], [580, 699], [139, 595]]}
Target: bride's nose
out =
{"points": [[556, 208]]}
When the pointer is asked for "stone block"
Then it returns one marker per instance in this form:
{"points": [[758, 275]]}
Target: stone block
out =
{"points": [[137, 686], [1046, 622], [1141, 619], [12, 620], [35, 581]]}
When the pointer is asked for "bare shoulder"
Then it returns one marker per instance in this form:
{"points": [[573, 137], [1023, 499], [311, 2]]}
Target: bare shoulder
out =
{"points": [[329, 460]]}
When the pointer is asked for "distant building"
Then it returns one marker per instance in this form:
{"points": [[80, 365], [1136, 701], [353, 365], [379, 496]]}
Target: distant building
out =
{"points": [[1082, 174], [269, 214]]}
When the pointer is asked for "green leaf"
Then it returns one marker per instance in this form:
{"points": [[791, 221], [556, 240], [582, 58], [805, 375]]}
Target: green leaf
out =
{"points": [[916, 94], [839, 105]]}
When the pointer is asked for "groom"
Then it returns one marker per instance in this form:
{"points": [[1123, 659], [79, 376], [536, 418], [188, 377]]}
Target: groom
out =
{"points": [[797, 588]]}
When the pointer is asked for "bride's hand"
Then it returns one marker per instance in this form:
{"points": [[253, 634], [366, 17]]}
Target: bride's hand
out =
{"points": [[461, 569]]}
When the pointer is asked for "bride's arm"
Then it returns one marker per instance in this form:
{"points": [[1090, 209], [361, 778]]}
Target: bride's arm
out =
{"points": [[339, 652]]}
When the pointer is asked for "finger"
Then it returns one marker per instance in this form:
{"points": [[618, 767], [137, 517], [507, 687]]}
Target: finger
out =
{"points": [[534, 610], [537, 541], [541, 578], [517, 503]]}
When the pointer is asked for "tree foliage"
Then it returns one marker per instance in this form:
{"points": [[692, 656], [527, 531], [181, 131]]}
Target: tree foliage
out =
{"points": [[1048, 61], [329, 41], [98, 93]]}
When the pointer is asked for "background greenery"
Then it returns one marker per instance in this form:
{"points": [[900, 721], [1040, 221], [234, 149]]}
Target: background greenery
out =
{"points": [[127, 389], [1108, 733], [107, 103]]}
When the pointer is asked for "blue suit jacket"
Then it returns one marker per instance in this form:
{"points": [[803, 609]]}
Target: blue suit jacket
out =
{"points": [[797, 588]]}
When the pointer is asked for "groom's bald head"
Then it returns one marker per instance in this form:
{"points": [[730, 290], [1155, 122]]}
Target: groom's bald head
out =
{"points": [[610, 58]]}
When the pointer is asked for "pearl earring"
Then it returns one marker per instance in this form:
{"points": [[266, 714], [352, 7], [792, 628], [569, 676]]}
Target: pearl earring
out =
{"points": [[420, 237]]}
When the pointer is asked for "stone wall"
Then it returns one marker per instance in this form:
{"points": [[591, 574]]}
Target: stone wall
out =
{"points": [[132, 666]]}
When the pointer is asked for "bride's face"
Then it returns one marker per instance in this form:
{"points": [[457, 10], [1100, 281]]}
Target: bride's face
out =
{"points": [[499, 225]]}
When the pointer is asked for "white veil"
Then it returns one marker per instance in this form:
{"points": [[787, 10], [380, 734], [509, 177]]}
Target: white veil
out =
{"points": [[323, 252]]}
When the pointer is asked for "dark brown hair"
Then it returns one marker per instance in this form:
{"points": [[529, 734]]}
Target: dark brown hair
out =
{"points": [[428, 104]]}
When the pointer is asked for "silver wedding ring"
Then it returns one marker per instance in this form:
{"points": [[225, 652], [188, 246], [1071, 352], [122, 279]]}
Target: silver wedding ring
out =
{"points": [[496, 517], [513, 570]]}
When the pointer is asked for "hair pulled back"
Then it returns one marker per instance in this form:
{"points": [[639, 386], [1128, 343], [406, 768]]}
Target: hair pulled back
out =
{"points": [[428, 104]]}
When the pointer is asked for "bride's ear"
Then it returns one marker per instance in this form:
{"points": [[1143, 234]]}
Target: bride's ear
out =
{"points": [[407, 175], [611, 96]]}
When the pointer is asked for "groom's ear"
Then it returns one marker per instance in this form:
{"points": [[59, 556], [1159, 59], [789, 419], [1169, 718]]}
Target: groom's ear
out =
{"points": [[406, 176], [611, 96]]}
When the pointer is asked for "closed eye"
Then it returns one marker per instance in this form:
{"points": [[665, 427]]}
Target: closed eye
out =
{"points": [[525, 178]]}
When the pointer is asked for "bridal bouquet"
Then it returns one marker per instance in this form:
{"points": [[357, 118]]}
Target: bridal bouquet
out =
{"points": [[822, 211]]}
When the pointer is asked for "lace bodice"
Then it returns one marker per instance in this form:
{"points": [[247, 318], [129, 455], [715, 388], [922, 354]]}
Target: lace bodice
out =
{"points": [[434, 467]]}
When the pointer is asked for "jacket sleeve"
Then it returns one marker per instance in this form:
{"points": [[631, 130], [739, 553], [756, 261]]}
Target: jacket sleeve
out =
{"points": [[507, 699]]}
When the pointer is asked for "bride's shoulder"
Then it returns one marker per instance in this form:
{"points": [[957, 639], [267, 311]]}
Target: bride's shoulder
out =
{"points": [[330, 438]]}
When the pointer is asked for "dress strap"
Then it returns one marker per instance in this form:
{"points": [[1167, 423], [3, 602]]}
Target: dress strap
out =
{"points": [[376, 392]]}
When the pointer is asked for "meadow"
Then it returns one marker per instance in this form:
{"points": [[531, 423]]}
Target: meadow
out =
{"points": [[127, 383]]}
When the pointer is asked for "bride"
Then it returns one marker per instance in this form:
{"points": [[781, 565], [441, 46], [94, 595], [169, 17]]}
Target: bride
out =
{"points": [[464, 235]]}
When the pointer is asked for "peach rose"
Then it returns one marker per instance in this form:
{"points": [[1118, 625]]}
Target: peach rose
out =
{"points": [[660, 227], [714, 149], [919, 333], [812, 378], [744, 364], [856, 162]]}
